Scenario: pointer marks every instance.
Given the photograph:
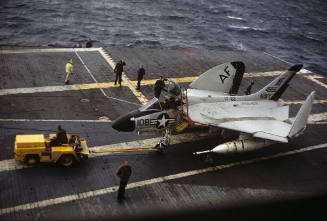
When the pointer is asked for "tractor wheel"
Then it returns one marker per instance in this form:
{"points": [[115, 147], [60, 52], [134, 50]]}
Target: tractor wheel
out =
{"points": [[67, 160], [32, 159]]}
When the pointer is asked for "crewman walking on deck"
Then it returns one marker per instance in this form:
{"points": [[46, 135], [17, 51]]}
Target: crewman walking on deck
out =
{"points": [[119, 68], [124, 172], [159, 86], [69, 70], [140, 74]]}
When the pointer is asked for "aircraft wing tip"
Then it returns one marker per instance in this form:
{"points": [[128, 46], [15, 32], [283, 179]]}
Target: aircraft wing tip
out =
{"points": [[296, 67]]}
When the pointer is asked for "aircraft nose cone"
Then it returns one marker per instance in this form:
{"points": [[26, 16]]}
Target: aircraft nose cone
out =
{"points": [[124, 123]]}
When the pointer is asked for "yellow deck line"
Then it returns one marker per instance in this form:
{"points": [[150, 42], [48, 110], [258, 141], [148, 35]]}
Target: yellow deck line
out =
{"points": [[93, 86], [302, 101], [314, 79], [108, 85], [105, 85]]}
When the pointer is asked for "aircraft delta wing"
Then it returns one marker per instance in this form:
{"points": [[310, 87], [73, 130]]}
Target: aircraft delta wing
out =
{"points": [[211, 101], [260, 118], [259, 115]]}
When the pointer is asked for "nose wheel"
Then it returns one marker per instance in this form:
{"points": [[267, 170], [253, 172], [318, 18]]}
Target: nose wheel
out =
{"points": [[164, 142]]}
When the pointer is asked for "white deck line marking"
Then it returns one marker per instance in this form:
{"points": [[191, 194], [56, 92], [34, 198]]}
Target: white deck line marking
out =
{"points": [[305, 71], [88, 70], [139, 95], [54, 120], [36, 90], [11, 164], [277, 58], [45, 50], [274, 73], [99, 192], [313, 119], [95, 80], [302, 101]]}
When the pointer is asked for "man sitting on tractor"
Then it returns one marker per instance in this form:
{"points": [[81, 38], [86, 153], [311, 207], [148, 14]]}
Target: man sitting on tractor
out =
{"points": [[61, 137]]}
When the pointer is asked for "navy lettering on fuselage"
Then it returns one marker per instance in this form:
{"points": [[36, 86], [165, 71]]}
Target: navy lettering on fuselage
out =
{"points": [[263, 96], [271, 89], [146, 122], [279, 82], [160, 122]]}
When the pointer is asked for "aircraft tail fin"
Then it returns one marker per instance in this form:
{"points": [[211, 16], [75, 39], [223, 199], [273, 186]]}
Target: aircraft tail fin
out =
{"points": [[276, 88], [301, 118], [224, 78]]}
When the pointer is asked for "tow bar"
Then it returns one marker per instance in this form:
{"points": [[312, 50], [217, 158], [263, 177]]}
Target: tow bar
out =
{"points": [[128, 150]]}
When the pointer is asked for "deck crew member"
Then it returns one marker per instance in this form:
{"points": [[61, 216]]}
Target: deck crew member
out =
{"points": [[249, 88], [159, 86], [69, 70], [124, 172], [119, 68], [140, 74]]}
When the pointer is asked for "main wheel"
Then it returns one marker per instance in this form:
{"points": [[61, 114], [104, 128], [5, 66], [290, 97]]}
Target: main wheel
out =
{"points": [[209, 159], [31, 159], [66, 160], [162, 149]]}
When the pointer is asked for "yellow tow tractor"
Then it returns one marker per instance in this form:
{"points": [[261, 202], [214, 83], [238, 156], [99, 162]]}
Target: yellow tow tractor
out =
{"points": [[36, 148]]}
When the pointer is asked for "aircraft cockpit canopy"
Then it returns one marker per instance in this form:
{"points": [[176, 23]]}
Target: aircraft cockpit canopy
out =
{"points": [[153, 104], [173, 88]]}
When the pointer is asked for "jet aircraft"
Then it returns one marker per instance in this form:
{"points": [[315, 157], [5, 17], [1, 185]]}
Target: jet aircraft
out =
{"points": [[260, 118]]}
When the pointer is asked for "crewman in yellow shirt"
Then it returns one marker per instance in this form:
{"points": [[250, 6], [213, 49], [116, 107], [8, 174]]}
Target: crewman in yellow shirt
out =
{"points": [[69, 70]]}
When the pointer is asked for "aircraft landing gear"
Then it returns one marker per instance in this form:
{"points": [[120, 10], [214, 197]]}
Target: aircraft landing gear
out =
{"points": [[164, 141], [209, 158]]}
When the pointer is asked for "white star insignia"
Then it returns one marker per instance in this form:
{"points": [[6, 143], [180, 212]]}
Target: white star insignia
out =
{"points": [[163, 121]]}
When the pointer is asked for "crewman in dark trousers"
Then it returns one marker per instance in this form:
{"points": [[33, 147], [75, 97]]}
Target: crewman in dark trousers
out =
{"points": [[140, 74], [119, 68], [89, 44], [158, 87], [124, 172]]}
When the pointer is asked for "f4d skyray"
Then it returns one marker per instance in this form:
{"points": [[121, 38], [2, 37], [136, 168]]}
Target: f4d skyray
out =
{"points": [[211, 101]]}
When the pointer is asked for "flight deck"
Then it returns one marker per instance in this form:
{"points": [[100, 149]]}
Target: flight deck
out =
{"points": [[35, 100]]}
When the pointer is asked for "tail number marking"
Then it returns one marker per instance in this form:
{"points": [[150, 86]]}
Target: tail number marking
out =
{"points": [[223, 76]]}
